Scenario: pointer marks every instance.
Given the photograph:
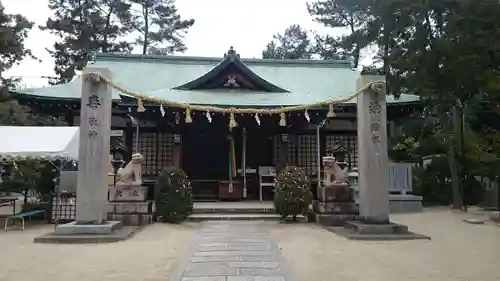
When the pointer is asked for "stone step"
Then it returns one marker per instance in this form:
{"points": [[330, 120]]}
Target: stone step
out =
{"points": [[225, 216], [234, 210], [237, 217]]}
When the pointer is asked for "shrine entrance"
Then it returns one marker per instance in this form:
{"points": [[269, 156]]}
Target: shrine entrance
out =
{"points": [[214, 162], [205, 161]]}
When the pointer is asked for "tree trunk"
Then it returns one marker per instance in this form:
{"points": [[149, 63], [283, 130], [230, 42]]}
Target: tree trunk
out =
{"points": [[25, 201], [498, 193], [145, 44], [455, 184], [452, 161], [459, 129]]}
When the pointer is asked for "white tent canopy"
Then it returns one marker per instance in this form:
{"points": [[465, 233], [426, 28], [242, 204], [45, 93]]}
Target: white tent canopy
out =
{"points": [[48, 143]]}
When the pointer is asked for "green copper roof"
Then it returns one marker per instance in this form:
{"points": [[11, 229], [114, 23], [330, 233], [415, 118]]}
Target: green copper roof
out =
{"points": [[306, 81]]}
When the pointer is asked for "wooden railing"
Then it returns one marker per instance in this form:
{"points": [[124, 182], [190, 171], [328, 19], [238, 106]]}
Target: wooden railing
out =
{"points": [[400, 178]]}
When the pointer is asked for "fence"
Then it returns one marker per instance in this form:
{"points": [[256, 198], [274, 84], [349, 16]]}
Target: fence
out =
{"points": [[400, 178]]}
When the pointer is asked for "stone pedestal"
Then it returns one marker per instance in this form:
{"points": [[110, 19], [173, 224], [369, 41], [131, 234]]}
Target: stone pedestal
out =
{"points": [[128, 204], [128, 193], [335, 193], [335, 205], [495, 216]]}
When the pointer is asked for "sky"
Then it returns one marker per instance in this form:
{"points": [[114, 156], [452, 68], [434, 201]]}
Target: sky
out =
{"points": [[248, 25]]}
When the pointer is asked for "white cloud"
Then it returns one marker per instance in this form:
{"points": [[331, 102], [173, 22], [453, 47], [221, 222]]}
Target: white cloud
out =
{"points": [[246, 25]]}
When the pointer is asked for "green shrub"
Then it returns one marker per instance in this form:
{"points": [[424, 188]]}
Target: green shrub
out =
{"points": [[174, 201], [293, 195], [433, 184]]}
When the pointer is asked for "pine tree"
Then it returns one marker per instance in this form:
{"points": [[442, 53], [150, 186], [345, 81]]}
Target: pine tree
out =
{"points": [[347, 14], [13, 33], [447, 53], [84, 27], [294, 43], [161, 29]]}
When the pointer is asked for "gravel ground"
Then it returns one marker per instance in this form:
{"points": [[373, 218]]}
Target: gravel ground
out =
{"points": [[458, 251], [148, 256]]}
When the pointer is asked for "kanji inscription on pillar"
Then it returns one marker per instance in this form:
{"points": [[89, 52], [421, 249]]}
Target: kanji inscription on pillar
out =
{"points": [[93, 105], [93, 121], [94, 101], [374, 109]]}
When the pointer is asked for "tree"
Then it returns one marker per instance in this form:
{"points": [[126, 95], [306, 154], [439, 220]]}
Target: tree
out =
{"points": [[294, 43], [85, 27], [446, 52], [13, 32], [349, 14], [160, 27], [26, 175]]}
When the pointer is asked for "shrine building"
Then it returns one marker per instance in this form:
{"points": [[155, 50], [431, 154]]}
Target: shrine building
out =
{"points": [[200, 142]]}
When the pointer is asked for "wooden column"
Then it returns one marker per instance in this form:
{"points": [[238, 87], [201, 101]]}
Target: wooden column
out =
{"points": [[372, 147], [93, 160]]}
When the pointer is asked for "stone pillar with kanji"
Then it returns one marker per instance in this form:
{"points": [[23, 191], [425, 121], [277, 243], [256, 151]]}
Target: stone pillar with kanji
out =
{"points": [[93, 159], [372, 151]]}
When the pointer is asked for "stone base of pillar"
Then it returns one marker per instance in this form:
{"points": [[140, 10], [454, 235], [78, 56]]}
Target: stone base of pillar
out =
{"points": [[387, 228], [73, 228], [357, 230], [72, 233]]}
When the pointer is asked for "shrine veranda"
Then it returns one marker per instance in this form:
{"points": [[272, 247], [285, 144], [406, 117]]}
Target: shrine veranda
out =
{"points": [[205, 148]]}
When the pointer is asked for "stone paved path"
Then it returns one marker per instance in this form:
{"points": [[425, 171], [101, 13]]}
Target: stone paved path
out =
{"points": [[234, 251]]}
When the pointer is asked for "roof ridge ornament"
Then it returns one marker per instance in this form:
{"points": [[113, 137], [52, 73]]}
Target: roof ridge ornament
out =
{"points": [[231, 53]]}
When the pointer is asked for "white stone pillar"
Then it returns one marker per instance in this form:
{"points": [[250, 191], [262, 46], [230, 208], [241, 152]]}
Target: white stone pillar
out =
{"points": [[93, 159], [372, 152]]}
